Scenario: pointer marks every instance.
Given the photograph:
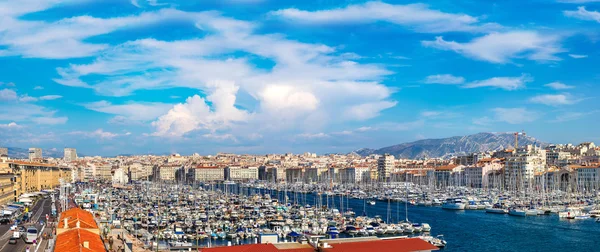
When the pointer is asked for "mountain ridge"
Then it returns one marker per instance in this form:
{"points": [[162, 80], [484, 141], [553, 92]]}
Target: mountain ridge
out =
{"points": [[452, 146]]}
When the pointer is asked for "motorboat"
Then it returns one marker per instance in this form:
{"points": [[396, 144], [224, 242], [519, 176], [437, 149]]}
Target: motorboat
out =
{"points": [[454, 204]]}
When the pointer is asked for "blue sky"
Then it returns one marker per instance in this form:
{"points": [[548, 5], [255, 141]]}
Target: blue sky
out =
{"points": [[264, 76]]}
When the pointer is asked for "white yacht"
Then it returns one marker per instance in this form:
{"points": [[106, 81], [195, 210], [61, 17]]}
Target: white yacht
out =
{"points": [[454, 204]]}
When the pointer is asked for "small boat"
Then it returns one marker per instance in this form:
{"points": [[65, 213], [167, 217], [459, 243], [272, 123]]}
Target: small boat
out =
{"points": [[454, 204], [517, 212], [371, 202]]}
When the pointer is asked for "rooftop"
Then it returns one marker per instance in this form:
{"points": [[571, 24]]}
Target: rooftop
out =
{"points": [[75, 239], [392, 245], [85, 218]]}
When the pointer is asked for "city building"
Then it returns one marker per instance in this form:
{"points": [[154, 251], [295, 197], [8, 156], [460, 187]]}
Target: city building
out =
{"points": [[478, 176], [6, 185], [521, 167], [385, 167], [237, 173], [3, 152], [103, 172], [588, 177], [35, 154], [70, 154], [357, 174], [208, 173], [120, 176], [168, 172], [449, 175], [34, 177]]}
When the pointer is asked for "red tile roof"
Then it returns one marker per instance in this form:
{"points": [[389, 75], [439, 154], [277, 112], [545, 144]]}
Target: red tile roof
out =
{"points": [[85, 218], [262, 248], [243, 248], [73, 240], [394, 245]]}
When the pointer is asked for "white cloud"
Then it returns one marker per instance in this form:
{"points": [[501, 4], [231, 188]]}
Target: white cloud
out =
{"points": [[15, 111], [418, 17], [38, 88], [310, 85], [506, 83], [99, 133], [430, 113], [514, 115], [444, 79], [136, 111], [220, 137], [8, 95], [578, 56], [583, 14], [504, 47], [196, 114], [27, 98], [50, 120], [313, 135], [571, 116], [11, 125], [66, 38], [553, 100], [50, 97], [368, 110], [558, 86]]}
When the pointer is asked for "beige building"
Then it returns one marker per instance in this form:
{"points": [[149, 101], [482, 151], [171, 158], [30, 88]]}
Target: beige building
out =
{"points": [[241, 173], [7, 192], [168, 172], [385, 167], [521, 167], [34, 177], [103, 172], [209, 173]]}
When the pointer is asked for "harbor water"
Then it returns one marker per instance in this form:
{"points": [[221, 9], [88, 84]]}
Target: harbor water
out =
{"points": [[470, 230]]}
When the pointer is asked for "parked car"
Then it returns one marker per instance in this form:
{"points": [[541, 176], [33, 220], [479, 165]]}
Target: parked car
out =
{"points": [[13, 240], [5, 221]]}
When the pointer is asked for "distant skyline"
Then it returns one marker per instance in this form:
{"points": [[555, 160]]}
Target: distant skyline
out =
{"points": [[265, 76]]}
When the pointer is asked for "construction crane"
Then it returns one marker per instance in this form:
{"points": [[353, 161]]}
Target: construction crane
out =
{"points": [[522, 133]]}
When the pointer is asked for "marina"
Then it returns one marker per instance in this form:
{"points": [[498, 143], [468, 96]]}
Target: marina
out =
{"points": [[229, 214]]}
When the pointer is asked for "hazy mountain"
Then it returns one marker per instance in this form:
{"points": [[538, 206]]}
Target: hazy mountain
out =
{"points": [[15, 152], [457, 145]]}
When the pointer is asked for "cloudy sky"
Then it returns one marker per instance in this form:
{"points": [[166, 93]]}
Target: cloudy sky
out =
{"points": [[258, 76]]}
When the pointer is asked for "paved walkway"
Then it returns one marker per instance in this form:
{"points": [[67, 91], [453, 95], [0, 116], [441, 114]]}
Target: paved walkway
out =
{"points": [[138, 246]]}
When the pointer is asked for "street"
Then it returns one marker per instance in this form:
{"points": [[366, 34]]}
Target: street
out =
{"points": [[39, 211]]}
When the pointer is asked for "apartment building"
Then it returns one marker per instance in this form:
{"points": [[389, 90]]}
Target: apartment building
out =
{"points": [[208, 173]]}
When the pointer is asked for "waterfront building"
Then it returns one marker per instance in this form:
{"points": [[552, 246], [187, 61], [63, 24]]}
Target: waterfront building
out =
{"points": [[208, 173], [311, 175], [588, 177], [70, 154], [478, 176], [168, 172], [237, 173], [35, 154], [385, 166], [293, 175], [6, 184], [521, 167], [34, 177], [357, 174], [449, 175], [275, 174]]}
